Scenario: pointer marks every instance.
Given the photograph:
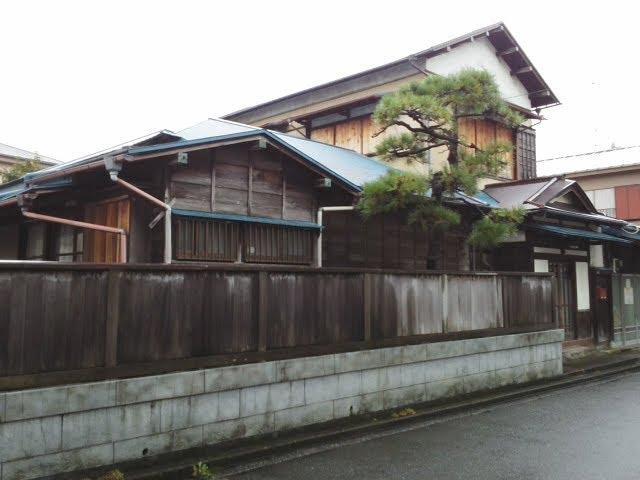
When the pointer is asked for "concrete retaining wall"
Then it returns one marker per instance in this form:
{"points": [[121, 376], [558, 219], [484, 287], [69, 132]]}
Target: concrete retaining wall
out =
{"points": [[52, 430]]}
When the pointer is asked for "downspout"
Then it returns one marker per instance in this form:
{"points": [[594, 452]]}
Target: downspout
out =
{"points": [[90, 226], [319, 244], [114, 169]]}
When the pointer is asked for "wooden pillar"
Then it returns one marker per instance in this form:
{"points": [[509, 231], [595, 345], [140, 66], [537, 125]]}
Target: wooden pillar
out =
{"points": [[367, 299], [114, 280], [263, 305]]}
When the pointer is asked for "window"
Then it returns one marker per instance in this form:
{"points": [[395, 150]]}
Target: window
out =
{"points": [[36, 241], [526, 153], [276, 244], [604, 200], [206, 240], [70, 244]]}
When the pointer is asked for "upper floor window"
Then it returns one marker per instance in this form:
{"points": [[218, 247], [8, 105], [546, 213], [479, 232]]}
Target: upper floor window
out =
{"points": [[604, 200]]}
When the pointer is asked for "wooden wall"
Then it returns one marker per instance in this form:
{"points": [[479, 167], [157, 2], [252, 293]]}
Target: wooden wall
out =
{"points": [[481, 132], [356, 134], [57, 318], [386, 241], [240, 180]]}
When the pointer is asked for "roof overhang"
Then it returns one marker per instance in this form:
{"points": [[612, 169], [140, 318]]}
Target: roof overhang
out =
{"points": [[503, 41], [565, 232]]}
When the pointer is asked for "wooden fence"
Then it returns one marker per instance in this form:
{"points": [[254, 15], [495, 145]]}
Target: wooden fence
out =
{"points": [[63, 318]]}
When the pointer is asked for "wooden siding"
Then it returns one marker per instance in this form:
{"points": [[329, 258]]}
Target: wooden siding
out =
{"points": [[101, 247], [355, 134], [205, 240], [386, 241], [482, 132], [241, 180], [628, 202], [87, 317]]}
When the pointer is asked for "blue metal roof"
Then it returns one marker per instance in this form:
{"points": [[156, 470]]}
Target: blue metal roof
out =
{"points": [[345, 165], [575, 233], [245, 219], [618, 232]]}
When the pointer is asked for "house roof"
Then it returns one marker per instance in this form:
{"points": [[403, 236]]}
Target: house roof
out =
{"points": [[542, 194], [347, 166], [576, 233], [591, 163], [20, 154], [498, 34]]}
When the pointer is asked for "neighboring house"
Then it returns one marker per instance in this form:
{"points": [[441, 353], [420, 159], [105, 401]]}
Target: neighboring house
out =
{"points": [[610, 178], [340, 112], [11, 156]]}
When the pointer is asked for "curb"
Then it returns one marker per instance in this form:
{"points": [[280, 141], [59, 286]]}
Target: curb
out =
{"points": [[180, 469]]}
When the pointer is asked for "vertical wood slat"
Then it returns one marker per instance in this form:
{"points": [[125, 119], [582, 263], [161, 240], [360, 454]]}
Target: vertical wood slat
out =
{"points": [[114, 281], [368, 298], [263, 310]]}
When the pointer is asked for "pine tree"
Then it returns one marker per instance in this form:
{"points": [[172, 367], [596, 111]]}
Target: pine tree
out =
{"points": [[427, 114]]}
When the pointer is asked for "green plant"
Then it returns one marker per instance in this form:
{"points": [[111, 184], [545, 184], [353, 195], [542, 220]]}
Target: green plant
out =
{"points": [[201, 471], [427, 113], [19, 170]]}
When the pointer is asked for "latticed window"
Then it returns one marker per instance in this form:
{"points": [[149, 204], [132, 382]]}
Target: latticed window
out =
{"points": [[526, 153]]}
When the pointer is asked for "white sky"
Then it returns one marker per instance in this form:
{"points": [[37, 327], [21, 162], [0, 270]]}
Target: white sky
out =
{"points": [[80, 76]]}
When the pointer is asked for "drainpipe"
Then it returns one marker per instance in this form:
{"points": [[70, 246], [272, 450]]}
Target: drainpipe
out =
{"points": [[342, 208], [114, 169], [90, 226]]}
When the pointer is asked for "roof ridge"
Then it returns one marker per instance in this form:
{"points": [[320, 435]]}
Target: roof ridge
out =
{"points": [[614, 149]]}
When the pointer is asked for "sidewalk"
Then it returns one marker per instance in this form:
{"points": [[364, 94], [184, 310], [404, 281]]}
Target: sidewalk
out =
{"points": [[588, 366]]}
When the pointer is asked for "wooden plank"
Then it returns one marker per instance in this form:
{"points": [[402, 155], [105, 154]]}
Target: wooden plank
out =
{"points": [[263, 311], [112, 319], [349, 135], [324, 134], [368, 299]]}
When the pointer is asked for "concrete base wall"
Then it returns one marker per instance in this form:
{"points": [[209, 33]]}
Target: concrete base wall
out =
{"points": [[53, 430]]}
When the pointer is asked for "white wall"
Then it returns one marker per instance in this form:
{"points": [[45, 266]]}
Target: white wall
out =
{"points": [[481, 54]]}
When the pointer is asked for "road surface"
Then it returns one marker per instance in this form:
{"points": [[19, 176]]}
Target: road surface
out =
{"points": [[586, 432]]}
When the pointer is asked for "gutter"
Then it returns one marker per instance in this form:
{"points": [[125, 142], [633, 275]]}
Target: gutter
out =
{"points": [[113, 166], [342, 208]]}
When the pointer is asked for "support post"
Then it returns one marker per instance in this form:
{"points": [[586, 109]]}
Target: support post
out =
{"points": [[113, 319], [367, 298], [263, 280], [445, 301]]}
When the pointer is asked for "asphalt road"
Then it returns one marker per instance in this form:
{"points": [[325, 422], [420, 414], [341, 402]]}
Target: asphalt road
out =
{"points": [[587, 432]]}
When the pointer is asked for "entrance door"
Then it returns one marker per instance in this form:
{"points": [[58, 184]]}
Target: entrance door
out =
{"points": [[103, 247], [602, 307], [564, 296]]}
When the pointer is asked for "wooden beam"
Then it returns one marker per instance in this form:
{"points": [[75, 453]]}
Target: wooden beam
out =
{"points": [[508, 51], [522, 70], [540, 93]]}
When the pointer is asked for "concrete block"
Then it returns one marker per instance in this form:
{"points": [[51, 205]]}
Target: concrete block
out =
{"points": [[390, 377], [510, 376], [446, 388], [320, 389], [435, 370], [301, 368], [403, 396], [486, 362], [187, 438], [305, 415], [444, 350], [29, 438], [229, 378], [269, 398], [361, 360], [95, 427], [345, 407], [229, 404], [349, 384], [204, 409], [41, 466], [413, 374], [157, 387], [478, 345], [141, 447], [44, 402], [3, 412], [479, 382], [392, 356], [239, 428], [414, 353]]}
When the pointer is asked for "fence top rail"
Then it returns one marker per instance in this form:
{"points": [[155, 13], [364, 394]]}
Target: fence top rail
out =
{"points": [[13, 265]]}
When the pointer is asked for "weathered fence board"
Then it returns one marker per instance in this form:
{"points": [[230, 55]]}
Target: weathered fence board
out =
{"points": [[63, 318]]}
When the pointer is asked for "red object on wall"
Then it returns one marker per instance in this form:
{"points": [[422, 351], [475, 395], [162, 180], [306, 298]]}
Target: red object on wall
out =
{"points": [[628, 202]]}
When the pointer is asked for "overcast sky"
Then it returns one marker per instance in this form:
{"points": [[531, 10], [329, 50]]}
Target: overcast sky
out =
{"points": [[80, 76]]}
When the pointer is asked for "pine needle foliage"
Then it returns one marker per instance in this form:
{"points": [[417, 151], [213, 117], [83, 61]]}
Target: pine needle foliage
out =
{"points": [[424, 116], [19, 170]]}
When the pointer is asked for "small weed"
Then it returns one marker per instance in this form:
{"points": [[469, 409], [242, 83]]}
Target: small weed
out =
{"points": [[112, 475], [201, 472], [405, 412]]}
